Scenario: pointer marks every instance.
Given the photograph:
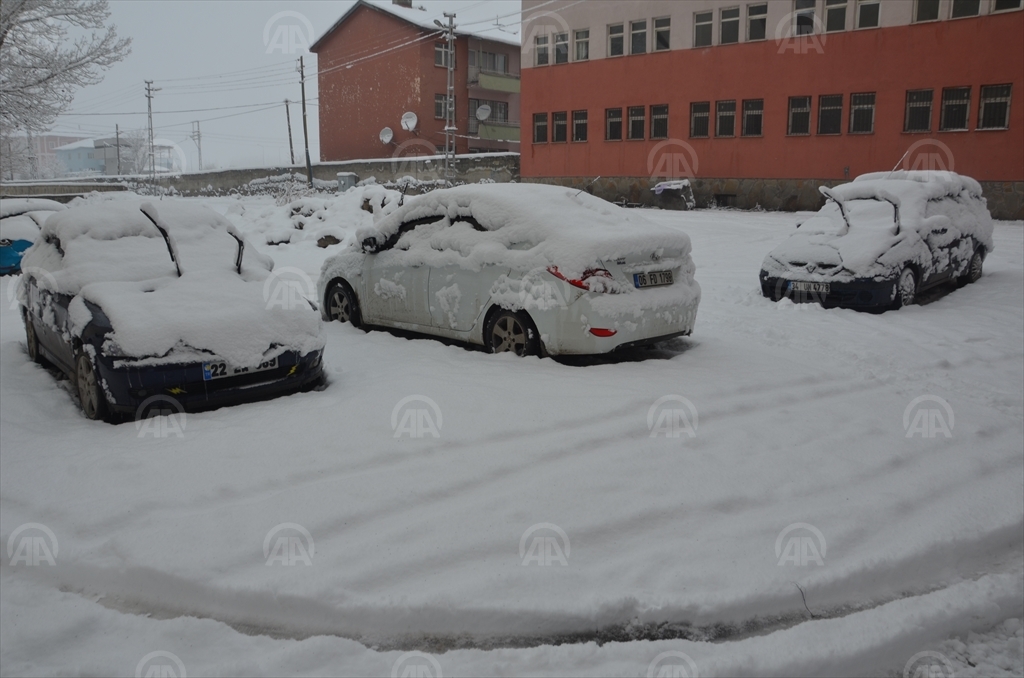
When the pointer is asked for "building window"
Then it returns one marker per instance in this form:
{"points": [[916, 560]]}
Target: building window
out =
{"points": [[994, 111], [559, 125], [962, 8], [541, 49], [757, 22], [700, 117], [918, 116], [804, 17], [616, 40], [499, 113], [441, 54], [956, 106], [753, 115], [835, 15], [725, 118], [862, 113], [1006, 5], [637, 37], [582, 39], [561, 48], [926, 10], [613, 124], [662, 28], [540, 128], [579, 125], [488, 61], [702, 24], [729, 26], [439, 106], [830, 114], [636, 122], [799, 115], [867, 13], [659, 122]]}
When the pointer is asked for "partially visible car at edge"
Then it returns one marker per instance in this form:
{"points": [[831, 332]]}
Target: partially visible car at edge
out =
{"points": [[20, 221]]}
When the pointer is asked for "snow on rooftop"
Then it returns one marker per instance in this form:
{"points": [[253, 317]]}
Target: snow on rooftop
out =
{"points": [[74, 145]]}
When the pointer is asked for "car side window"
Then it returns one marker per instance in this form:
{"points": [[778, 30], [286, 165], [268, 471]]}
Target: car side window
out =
{"points": [[406, 227]]}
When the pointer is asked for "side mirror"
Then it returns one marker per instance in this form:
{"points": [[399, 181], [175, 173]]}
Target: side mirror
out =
{"points": [[370, 245]]}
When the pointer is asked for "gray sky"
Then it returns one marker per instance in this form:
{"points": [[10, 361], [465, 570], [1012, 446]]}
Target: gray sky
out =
{"points": [[194, 49]]}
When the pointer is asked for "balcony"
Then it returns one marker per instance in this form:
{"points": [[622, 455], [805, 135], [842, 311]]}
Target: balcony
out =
{"points": [[495, 82], [498, 131]]}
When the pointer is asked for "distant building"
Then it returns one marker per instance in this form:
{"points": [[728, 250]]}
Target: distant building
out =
{"points": [[80, 157], [361, 94], [100, 156], [761, 101]]}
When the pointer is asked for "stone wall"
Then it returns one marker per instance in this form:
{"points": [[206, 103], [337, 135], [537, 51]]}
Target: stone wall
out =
{"points": [[1005, 199]]}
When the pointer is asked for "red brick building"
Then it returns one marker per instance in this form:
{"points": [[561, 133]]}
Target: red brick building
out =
{"points": [[761, 101], [381, 60]]}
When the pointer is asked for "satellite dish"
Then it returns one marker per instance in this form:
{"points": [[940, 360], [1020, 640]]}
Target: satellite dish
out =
{"points": [[409, 121], [483, 112], [386, 135]]}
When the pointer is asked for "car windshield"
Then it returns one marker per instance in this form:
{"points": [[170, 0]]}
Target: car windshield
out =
{"points": [[862, 214]]}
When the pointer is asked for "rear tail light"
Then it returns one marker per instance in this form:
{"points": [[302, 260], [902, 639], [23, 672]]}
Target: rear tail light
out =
{"points": [[583, 281], [601, 332]]}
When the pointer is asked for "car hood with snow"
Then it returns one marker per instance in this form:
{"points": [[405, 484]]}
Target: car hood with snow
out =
{"points": [[872, 226], [175, 281]]}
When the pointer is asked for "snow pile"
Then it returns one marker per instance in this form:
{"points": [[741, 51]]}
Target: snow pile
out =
{"points": [[12, 206], [999, 652], [113, 256]]}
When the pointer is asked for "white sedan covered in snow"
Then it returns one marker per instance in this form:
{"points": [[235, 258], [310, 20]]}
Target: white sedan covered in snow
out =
{"points": [[526, 268]]}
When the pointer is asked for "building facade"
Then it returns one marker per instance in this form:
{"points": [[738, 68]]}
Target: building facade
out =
{"points": [[758, 102], [382, 60]]}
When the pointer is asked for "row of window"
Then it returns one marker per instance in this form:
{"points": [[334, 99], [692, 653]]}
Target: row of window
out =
{"points": [[555, 48], [499, 110], [652, 122]]}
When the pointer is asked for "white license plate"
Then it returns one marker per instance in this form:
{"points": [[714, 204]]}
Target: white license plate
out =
{"points": [[652, 279], [821, 288], [221, 370]]}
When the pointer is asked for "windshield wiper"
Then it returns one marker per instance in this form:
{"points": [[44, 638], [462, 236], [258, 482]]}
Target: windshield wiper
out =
{"points": [[831, 195], [241, 250], [167, 238]]}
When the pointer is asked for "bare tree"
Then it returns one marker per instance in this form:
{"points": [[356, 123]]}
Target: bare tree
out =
{"points": [[134, 151], [40, 67]]}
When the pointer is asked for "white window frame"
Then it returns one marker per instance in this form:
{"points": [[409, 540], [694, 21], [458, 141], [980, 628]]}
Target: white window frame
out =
{"points": [[537, 50], [577, 41], [560, 39], [992, 8], [864, 3], [621, 36], [915, 20], [711, 23], [757, 17], [738, 20], [838, 4], [633, 31], [967, 16], [656, 29]]}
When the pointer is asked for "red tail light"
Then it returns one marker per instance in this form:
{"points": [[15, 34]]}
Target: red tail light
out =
{"points": [[601, 332], [582, 281]]}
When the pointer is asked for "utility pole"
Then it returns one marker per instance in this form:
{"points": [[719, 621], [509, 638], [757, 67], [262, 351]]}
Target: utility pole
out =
{"points": [[305, 129], [288, 116], [117, 142], [449, 122], [197, 137], [152, 157]]}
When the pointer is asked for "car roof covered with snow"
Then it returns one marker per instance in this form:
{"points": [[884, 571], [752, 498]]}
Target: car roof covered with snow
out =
{"points": [[10, 207]]}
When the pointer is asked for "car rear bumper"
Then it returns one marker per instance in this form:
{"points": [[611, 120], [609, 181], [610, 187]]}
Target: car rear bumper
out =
{"points": [[854, 294], [130, 388]]}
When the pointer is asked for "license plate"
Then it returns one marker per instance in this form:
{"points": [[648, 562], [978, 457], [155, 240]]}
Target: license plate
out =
{"points": [[652, 279], [221, 370], [821, 288]]}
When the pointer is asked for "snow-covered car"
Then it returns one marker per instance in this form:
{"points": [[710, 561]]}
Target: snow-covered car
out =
{"points": [[882, 239], [142, 302], [527, 268], [20, 221]]}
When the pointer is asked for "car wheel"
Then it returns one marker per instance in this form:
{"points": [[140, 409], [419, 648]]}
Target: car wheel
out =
{"points": [[906, 288], [342, 305], [90, 393], [32, 341], [512, 332], [973, 272]]}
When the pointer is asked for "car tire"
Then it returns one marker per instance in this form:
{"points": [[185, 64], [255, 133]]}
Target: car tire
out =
{"points": [[90, 392], [341, 305], [973, 272], [906, 288], [511, 332], [32, 341]]}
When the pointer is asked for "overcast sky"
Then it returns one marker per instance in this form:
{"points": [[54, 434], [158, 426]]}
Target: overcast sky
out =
{"points": [[194, 50]]}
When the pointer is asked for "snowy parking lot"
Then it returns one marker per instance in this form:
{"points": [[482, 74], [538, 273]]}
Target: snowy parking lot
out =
{"points": [[789, 491]]}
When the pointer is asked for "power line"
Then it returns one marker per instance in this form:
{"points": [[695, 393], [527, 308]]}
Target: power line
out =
{"points": [[190, 110]]}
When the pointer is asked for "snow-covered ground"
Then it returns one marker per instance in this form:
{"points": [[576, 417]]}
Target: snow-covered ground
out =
{"points": [[790, 491]]}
